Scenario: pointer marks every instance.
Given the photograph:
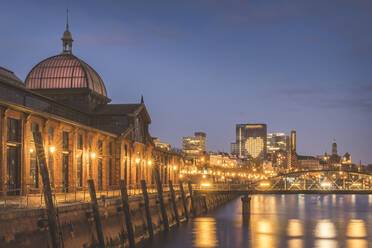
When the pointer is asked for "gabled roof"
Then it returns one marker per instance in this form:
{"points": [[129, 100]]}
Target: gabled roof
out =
{"points": [[122, 109], [117, 109]]}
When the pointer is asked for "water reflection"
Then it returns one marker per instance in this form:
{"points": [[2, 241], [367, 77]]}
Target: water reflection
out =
{"points": [[294, 221], [263, 233], [356, 243], [295, 243], [356, 229], [325, 243], [204, 232], [325, 229], [294, 228], [264, 227]]}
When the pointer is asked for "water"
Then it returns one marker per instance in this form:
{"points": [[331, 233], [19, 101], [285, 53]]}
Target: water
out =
{"points": [[295, 221]]}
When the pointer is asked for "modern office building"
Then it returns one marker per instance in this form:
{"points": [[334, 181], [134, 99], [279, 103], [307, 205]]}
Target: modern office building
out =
{"points": [[276, 142], [293, 142], [292, 162], [251, 140], [194, 146]]}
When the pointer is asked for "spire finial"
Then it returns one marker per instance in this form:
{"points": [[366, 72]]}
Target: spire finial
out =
{"points": [[142, 99], [67, 19], [67, 38]]}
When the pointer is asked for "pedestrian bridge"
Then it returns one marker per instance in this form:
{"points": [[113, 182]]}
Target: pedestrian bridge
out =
{"points": [[302, 182]]}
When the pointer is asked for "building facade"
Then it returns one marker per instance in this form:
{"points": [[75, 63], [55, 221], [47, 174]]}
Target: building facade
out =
{"points": [[251, 141], [276, 142], [194, 146], [84, 136], [308, 163]]}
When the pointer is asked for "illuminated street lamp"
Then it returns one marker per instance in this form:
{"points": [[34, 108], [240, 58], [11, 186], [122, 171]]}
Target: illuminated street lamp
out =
{"points": [[93, 155], [31, 150], [52, 149], [138, 160], [148, 162]]}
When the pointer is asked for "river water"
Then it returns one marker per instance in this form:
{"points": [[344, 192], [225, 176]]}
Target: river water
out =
{"points": [[295, 221]]}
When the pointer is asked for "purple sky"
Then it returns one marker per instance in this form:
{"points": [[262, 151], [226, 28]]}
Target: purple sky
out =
{"points": [[206, 65]]}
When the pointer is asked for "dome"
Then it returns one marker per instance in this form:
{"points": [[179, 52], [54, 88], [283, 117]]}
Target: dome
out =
{"points": [[65, 71]]}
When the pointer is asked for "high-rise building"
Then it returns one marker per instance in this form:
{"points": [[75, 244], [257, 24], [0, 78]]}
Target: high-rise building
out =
{"points": [[292, 154], [334, 148], [276, 142], [293, 141], [250, 141], [194, 146]]}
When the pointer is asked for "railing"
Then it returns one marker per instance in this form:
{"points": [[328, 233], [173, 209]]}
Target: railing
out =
{"points": [[34, 197], [222, 187]]}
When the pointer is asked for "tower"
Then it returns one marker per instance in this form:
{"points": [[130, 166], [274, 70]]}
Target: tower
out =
{"points": [[334, 148], [293, 141]]}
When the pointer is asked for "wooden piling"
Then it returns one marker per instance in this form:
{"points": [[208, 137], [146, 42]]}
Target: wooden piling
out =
{"points": [[184, 201], [173, 197], [147, 209], [96, 217], [161, 200], [56, 238], [128, 221], [205, 203], [246, 207], [192, 199]]}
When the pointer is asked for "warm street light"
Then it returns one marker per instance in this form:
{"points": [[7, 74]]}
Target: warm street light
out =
{"points": [[52, 149], [93, 155], [148, 162], [31, 150], [138, 160]]}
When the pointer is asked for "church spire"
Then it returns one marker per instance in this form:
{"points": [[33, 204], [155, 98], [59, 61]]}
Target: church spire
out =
{"points": [[67, 39]]}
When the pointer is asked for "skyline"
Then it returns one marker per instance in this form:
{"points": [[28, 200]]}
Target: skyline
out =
{"points": [[212, 62]]}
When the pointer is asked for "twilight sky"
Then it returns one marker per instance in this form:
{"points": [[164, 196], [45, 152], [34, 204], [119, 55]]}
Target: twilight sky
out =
{"points": [[205, 65]]}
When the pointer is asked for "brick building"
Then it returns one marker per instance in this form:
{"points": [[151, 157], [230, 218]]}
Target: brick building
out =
{"points": [[84, 135]]}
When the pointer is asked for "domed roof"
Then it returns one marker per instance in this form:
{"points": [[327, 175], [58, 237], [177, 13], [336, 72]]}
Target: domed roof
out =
{"points": [[65, 71]]}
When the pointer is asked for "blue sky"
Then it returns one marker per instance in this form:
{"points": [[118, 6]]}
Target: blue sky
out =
{"points": [[206, 65]]}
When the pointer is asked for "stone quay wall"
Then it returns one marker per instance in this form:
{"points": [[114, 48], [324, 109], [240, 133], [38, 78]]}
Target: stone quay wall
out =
{"points": [[27, 228]]}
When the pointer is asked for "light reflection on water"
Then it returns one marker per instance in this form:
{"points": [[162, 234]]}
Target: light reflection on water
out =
{"points": [[325, 229], [294, 228], [294, 221], [325, 243], [356, 229], [204, 231]]}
